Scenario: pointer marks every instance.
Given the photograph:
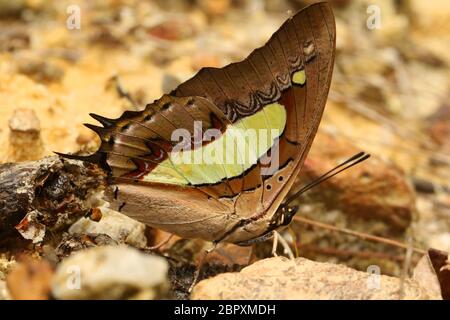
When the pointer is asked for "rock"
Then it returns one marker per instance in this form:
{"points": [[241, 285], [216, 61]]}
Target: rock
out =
{"points": [[30, 280], [280, 279], [114, 224], [4, 294], [14, 38], [40, 71], [117, 272], [25, 136]]}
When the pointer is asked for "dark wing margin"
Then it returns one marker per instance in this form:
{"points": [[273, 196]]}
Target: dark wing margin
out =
{"points": [[268, 68], [316, 32]]}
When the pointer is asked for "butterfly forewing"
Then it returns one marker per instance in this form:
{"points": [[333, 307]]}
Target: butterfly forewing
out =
{"points": [[262, 112]]}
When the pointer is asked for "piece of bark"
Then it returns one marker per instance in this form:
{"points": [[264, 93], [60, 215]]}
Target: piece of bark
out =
{"points": [[57, 191]]}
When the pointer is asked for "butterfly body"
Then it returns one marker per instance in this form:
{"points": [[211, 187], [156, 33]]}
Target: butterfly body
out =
{"points": [[215, 158]]}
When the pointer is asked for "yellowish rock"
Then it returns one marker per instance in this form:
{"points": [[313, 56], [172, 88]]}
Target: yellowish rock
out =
{"points": [[280, 278]]}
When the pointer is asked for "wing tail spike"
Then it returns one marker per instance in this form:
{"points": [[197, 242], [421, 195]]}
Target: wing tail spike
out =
{"points": [[106, 122], [99, 130], [97, 158], [70, 156]]}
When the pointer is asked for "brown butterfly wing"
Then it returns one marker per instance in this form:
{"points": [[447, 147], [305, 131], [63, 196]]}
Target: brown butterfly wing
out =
{"points": [[137, 142], [304, 42]]}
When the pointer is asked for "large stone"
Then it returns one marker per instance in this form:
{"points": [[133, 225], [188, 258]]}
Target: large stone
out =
{"points": [[280, 278], [116, 272]]}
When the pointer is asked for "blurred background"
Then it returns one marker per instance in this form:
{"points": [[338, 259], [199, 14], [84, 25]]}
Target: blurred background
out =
{"points": [[390, 96]]}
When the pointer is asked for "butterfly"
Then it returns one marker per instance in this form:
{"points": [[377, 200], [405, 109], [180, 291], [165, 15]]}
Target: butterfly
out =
{"points": [[215, 158]]}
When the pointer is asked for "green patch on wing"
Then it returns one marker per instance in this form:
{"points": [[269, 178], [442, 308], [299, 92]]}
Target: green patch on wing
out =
{"points": [[299, 77], [228, 156]]}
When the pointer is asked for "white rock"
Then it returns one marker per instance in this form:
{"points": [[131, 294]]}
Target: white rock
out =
{"points": [[116, 225], [4, 294], [111, 272]]}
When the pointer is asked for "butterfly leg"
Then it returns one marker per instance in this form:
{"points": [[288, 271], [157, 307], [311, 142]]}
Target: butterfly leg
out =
{"points": [[275, 243], [121, 206], [163, 242], [199, 268], [277, 237]]}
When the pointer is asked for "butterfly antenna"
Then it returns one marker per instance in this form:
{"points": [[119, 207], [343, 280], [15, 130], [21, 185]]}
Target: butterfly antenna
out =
{"points": [[347, 164]]}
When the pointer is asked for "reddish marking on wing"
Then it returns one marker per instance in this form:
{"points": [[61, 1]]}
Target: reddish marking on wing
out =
{"points": [[216, 123], [143, 169]]}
